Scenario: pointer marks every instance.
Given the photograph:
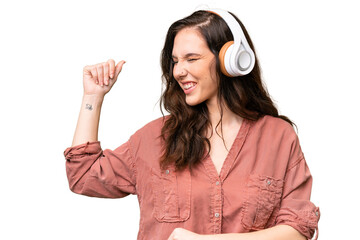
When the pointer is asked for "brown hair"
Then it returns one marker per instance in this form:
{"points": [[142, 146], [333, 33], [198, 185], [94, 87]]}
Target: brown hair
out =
{"points": [[185, 128]]}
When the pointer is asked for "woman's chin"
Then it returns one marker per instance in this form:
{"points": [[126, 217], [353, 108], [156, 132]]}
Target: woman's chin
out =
{"points": [[192, 101]]}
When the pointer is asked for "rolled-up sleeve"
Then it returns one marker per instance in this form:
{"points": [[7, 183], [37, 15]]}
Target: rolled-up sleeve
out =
{"points": [[296, 210], [94, 172]]}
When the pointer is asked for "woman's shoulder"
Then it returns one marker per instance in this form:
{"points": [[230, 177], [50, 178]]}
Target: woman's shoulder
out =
{"points": [[275, 133], [152, 129], [273, 126], [269, 121]]}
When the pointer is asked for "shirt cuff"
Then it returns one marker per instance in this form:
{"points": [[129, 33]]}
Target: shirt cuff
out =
{"points": [[87, 148], [305, 220]]}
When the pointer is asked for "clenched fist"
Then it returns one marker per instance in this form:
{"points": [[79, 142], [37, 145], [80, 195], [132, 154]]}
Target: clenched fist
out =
{"points": [[98, 79]]}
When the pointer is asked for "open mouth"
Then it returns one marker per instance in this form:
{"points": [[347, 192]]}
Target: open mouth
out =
{"points": [[189, 87]]}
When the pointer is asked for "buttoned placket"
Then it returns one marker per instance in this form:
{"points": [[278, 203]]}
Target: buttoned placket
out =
{"points": [[218, 207], [216, 197], [217, 180]]}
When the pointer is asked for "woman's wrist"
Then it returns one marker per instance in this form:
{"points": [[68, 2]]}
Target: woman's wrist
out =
{"points": [[92, 101], [88, 122], [93, 98]]}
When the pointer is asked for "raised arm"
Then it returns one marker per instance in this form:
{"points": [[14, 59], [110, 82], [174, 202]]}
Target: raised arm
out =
{"points": [[92, 171], [98, 79]]}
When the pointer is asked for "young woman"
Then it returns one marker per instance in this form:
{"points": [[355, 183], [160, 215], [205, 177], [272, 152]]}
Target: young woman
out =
{"points": [[222, 165]]}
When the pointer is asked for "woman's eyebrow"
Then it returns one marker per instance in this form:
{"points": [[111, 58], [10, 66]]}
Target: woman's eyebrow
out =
{"points": [[189, 55]]}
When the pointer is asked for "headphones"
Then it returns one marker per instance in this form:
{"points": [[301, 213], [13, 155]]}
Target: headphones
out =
{"points": [[236, 57]]}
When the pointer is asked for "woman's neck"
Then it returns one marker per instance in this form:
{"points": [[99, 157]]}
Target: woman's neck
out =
{"points": [[228, 118]]}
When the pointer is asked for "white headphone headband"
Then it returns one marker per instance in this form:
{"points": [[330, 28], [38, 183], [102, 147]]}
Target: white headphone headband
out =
{"points": [[239, 57]]}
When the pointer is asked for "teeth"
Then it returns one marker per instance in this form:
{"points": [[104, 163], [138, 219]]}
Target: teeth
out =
{"points": [[189, 85]]}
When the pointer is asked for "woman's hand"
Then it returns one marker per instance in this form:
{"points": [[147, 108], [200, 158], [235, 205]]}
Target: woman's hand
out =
{"points": [[183, 234], [98, 79]]}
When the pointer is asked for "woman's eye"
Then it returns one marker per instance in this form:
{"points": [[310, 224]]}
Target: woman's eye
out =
{"points": [[192, 59]]}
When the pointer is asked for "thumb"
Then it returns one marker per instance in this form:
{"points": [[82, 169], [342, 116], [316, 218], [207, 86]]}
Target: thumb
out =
{"points": [[118, 68]]}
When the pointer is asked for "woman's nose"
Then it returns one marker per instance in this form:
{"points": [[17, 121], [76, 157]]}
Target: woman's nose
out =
{"points": [[179, 70]]}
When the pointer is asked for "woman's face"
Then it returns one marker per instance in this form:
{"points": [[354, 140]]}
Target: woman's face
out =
{"points": [[194, 67]]}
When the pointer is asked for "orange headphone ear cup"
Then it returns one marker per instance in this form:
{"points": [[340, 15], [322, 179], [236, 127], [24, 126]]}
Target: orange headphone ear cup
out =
{"points": [[222, 57]]}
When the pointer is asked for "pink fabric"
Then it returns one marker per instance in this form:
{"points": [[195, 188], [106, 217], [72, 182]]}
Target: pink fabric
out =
{"points": [[264, 181]]}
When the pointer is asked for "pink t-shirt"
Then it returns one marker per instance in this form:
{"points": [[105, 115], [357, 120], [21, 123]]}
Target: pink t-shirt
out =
{"points": [[263, 182]]}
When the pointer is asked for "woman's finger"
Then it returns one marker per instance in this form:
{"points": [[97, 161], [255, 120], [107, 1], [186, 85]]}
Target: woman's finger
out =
{"points": [[118, 68], [111, 68], [87, 71], [106, 73], [94, 74], [100, 73]]}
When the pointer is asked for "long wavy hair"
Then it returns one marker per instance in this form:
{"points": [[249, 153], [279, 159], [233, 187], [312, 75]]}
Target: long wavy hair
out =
{"points": [[184, 131]]}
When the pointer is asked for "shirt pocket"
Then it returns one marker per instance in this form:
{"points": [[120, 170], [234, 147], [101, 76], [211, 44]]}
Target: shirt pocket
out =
{"points": [[171, 194], [263, 197]]}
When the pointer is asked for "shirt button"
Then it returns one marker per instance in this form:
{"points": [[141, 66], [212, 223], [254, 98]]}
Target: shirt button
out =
{"points": [[268, 182], [217, 183], [167, 171], [217, 214]]}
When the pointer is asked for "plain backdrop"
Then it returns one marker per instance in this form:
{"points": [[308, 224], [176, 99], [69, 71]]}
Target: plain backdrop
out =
{"points": [[309, 54]]}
